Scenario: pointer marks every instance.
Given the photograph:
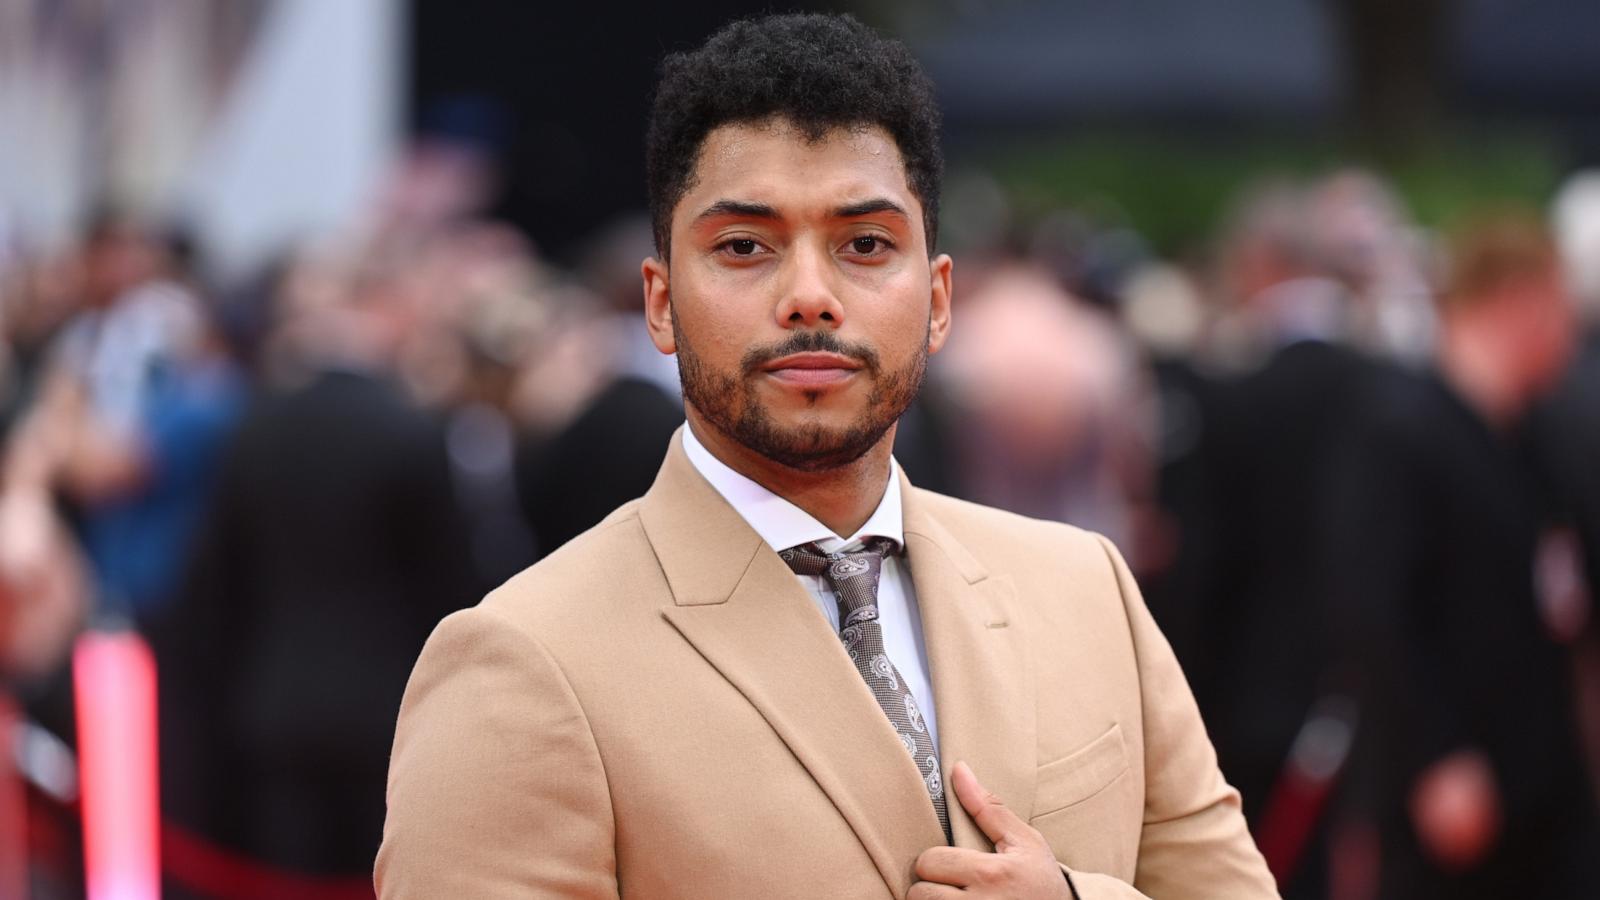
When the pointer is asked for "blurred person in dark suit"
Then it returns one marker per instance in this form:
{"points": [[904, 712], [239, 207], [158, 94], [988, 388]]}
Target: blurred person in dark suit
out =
{"points": [[1470, 750], [483, 304], [334, 546], [582, 457], [1258, 653]]}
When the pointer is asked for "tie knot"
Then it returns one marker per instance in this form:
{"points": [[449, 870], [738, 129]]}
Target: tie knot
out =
{"points": [[853, 576], [809, 559]]}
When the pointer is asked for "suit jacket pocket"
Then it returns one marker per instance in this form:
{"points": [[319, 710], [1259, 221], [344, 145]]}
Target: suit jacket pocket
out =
{"points": [[1080, 774]]}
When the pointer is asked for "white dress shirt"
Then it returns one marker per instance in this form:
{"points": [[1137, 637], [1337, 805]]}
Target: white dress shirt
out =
{"points": [[783, 525]]}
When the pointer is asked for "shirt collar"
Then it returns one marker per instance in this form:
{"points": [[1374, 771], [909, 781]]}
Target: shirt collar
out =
{"points": [[782, 524]]}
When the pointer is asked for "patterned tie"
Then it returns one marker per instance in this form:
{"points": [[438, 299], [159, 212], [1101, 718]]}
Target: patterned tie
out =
{"points": [[854, 579]]}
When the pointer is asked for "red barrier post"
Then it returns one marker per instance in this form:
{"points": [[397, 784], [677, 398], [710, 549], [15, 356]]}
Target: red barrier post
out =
{"points": [[13, 808]]}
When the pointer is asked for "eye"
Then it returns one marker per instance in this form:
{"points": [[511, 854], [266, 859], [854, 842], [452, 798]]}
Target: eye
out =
{"points": [[740, 248], [870, 245]]}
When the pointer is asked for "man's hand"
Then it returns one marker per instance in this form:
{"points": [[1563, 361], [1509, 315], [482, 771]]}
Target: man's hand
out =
{"points": [[1022, 866], [1456, 809]]}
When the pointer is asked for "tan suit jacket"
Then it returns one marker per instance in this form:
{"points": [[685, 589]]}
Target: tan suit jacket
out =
{"points": [[659, 710]]}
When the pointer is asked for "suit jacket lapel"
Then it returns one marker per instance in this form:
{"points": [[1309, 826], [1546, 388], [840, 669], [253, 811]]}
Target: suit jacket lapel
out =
{"points": [[743, 610], [982, 678]]}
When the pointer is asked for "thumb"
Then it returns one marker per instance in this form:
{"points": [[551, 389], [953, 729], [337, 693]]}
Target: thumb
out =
{"points": [[999, 823]]}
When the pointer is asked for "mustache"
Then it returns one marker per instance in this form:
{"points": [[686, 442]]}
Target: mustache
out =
{"points": [[810, 342]]}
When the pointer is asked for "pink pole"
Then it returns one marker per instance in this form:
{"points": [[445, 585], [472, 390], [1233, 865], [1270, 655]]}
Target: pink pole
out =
{"points": [[115, 684]]}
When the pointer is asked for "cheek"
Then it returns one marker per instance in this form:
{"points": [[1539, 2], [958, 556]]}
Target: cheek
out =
{"points": [[717, 330], [898, 317]]}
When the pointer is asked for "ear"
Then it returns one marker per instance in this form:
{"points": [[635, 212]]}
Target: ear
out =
{"points": [[939, 311], [658, 305]]}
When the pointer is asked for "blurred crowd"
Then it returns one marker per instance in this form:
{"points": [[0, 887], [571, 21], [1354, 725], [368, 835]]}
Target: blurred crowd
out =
{"points": [[1353, 462], [1351, 459]]}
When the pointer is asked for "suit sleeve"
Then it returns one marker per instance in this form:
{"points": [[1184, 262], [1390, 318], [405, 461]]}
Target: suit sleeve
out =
{"points": [[496, 787], [1194, 843]]}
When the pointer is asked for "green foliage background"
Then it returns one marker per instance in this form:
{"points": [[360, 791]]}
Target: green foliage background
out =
{"points": [[1175, 190]]}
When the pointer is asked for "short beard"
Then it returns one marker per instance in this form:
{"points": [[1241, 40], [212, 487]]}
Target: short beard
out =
{"points": [[729, 402]]}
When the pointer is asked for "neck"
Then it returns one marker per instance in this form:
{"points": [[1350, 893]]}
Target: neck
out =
{"points": [[1476, 371], [842, 498]]}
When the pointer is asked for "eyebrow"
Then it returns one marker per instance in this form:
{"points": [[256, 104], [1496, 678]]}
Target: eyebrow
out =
{"points": [[742, 209], [870, 207], [745, 209]]}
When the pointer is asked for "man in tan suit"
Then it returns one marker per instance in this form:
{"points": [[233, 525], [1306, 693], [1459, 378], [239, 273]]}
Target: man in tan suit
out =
{"points": [[759, 679]]}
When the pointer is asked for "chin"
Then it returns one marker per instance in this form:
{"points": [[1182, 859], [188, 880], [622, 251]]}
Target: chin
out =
{"points": [[810, 443]]}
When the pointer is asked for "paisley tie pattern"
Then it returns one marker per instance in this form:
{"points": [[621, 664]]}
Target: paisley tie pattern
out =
{"points": [[854, 579]]}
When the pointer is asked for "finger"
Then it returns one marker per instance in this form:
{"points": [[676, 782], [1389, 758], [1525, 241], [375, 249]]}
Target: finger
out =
{"points": [[953, 865], [927, 890], [1000, 824]]}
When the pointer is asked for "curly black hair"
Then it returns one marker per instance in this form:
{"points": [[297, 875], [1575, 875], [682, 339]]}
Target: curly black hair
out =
{"points": [[816, 72]]}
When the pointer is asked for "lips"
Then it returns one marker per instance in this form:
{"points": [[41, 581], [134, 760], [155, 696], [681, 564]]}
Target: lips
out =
{"points": [[815, 369], [813, 360]]}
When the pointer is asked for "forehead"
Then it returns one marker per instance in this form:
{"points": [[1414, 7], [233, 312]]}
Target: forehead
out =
{"points": [[774, 162]]}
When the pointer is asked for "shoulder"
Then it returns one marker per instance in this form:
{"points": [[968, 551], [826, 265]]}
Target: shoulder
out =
{"points": [[1015, 544], [548, 612]]}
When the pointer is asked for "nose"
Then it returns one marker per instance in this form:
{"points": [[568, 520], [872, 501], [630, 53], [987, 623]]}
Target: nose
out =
{"points": [[807, 298]]}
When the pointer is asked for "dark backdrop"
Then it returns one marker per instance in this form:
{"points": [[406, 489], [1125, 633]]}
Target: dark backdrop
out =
{"points": [[571, 85]]}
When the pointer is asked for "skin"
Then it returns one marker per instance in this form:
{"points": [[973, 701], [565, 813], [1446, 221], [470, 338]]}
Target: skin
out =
{"points": [[1505, 348], [782, 247], [1456, 807], [1021, 866]]}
